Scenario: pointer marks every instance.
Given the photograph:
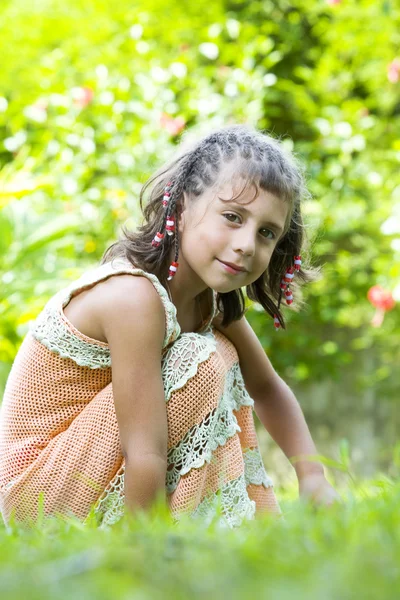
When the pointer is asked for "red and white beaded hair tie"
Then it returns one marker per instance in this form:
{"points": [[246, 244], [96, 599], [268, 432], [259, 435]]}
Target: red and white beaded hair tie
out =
{"points": [[285, 287], [167, 194], [169, 228], [172, 270], [157, 239]]}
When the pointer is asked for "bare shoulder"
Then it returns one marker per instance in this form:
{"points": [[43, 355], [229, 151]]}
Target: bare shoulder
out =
{"points": [[124, 303]]}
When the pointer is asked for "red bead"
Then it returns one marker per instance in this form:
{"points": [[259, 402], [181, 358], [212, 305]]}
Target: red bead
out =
{"points": [[276, 322], [157, 239], [289, 275], [170, 226], [172, 270], [289, 297]]}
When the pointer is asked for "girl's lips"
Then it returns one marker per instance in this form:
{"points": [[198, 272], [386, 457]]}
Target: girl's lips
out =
{"points": [[230, 269]]}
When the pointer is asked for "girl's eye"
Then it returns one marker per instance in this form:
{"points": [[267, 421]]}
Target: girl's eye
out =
{"points": [[226, 215], [231, 215]]}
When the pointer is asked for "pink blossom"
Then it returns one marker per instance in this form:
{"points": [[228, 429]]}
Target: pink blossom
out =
{"points": [[393, 70], [380, 298], [173, 126], [333, 2], [83, 96]]}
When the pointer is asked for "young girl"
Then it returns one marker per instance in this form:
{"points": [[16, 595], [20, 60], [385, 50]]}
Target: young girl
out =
{"points": [[139, 379]]}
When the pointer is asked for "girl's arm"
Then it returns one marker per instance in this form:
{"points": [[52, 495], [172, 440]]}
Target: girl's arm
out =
{"points": [[277, 408], [132, 319]]}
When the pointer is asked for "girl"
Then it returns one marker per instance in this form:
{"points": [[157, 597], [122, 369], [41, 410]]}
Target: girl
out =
{"points": [[138, 380]]}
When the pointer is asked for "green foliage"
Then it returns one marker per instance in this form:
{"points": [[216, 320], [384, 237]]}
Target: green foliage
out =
{"points": [[310, 553], [93, 97], [96, 97]]}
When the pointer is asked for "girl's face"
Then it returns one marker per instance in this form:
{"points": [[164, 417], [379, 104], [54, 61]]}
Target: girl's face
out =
{"points": [[243, 232]]}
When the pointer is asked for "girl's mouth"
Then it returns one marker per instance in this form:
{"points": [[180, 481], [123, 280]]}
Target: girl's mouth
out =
{"points": [[230, 269]]}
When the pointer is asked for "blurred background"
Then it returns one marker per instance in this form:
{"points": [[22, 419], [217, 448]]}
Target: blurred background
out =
{"points": [[95, 95]]}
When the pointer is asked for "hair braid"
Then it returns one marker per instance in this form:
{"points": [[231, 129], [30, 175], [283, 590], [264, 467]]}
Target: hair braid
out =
{"points": [[261, 161]]}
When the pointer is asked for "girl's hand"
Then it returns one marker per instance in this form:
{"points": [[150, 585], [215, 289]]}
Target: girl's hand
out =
{"points": [[316, 489]]}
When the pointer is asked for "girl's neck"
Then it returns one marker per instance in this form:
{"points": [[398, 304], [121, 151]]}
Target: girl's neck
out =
{"points": [[191, 318], [186, 287]]}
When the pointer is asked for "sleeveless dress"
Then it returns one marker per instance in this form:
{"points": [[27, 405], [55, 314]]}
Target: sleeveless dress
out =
{"points": [[59, 432]]}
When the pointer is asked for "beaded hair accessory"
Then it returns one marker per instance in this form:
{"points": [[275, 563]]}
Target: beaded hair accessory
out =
{"points": [[285, 287], [169, 228]]}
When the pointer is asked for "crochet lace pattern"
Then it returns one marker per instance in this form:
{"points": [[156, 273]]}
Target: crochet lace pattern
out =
{"points": [[50, 327], [59, 432], [198, 445]]}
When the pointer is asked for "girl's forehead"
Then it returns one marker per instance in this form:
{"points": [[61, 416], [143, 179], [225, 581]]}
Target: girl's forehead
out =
{"points": [[237, 187]]}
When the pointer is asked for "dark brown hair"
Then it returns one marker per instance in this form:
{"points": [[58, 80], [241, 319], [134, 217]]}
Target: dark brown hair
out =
{"points": [[261, 162]]}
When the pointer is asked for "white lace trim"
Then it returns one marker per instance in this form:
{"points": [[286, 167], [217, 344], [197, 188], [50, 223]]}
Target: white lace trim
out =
{"points": [[199, 443], [196, 448], [51, 331], [235, 504], [231, 501], [254, 469], [111, 508], [50, 328], [181, 361]]}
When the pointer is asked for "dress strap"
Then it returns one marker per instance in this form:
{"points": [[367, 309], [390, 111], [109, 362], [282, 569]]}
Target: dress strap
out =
{"points": [[206, 326], [53, 329], [172, 329]]}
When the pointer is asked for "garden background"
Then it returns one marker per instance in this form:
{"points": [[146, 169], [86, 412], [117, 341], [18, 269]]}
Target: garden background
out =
{"points": [[95, 95]]}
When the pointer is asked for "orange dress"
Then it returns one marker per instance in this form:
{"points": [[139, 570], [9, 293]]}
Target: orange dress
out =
{"points": [[59, 432]]}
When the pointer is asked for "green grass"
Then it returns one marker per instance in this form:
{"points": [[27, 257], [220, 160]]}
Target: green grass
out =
{"points": [[350, 550]]}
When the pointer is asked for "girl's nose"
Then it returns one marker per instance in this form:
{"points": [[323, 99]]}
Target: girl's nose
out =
{"points": [[244, 242]]}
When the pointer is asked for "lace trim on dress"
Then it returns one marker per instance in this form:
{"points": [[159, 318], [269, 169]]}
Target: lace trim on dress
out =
{"points": [[203, 439], [254, 469], [50, 326], [231, 501], [196, 448], [51, 331], [111, 507], [181, 361]]}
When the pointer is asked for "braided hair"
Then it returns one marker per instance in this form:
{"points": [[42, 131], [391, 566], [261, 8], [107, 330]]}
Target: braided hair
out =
{"points": [[262, 162]]}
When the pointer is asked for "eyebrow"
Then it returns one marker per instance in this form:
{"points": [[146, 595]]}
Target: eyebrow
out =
{"points": [[271, 224]]}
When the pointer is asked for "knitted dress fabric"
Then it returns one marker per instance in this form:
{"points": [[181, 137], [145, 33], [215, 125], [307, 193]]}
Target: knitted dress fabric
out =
{"points": [[59, 432]]}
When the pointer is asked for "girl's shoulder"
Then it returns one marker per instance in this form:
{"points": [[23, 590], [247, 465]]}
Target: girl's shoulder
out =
{"points": [[88, 309], [72, 314], [99, 292]]}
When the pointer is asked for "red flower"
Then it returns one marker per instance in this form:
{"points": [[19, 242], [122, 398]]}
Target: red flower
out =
{"points": [[173, 126], [380, 298]]}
